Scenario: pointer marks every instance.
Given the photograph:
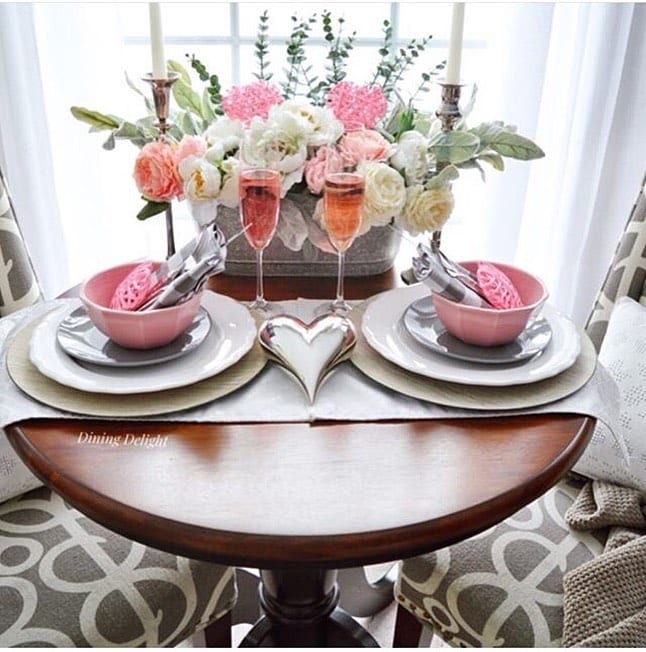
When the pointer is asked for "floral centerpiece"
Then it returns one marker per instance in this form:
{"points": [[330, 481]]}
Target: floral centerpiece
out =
{"points": [[408, 161]]}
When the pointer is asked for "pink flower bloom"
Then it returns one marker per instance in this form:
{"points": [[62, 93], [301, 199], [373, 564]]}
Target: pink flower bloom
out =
{"points": [[156, 172], [317, 166], [246, 102], [364, 145], [356, 106], [189, 146]]}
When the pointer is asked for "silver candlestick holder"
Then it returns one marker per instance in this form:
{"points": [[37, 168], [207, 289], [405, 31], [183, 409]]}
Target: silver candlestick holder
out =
{"points": [[161, 88], [449, 115]]}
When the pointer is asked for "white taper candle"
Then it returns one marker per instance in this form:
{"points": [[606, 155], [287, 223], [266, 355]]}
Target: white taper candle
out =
{"points": [[455, 45], [157, 41]]}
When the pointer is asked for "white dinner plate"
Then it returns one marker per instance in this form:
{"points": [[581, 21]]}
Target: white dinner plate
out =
{"points": [[232, 334], [383, 327]]}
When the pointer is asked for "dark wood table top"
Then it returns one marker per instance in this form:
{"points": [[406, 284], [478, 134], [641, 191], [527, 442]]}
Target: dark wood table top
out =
{"points": [[326, 495]]}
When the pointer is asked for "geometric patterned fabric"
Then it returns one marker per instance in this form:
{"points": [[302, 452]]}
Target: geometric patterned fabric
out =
{"points": [[627, 274], [18, 285], [67, 582], [504, 587]]}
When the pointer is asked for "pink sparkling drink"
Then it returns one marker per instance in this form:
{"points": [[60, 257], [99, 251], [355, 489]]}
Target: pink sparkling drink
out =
{"points": [[343, 200], [259, 205]]}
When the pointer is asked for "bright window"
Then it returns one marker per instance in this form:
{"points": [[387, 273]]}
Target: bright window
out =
{"points": [[222, 35]]}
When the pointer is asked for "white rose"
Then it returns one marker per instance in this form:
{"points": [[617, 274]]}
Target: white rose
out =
{"points": [[215, 153], [201, 179], [425, 210], [318, 123], [385, 195], [229, 195], [411, 157], [225, 135], [279, 144]]}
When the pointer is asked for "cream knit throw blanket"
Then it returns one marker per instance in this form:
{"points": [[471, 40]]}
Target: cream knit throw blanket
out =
{"points": [[604, 601]]}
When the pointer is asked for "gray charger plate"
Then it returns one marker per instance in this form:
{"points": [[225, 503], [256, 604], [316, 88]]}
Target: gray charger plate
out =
{"points": [[422, 322], [83, 341]]}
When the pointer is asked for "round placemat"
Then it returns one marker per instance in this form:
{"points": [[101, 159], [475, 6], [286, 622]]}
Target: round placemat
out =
{"points": [[51, 393], [476, 397]]}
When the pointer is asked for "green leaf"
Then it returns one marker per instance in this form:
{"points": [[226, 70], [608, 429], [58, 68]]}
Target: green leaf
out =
{"points": [[175, 133], [98, 121], [147, 127], [127, 130], [187, 98], [495, 160], [472, 164], [442, 178], [176, 66], [486, 131], [187, 124], [454, 146], [131, 84], [515, 146], [207, 108], [135, 134], [109, 143], [152, 208], [468, 107]]}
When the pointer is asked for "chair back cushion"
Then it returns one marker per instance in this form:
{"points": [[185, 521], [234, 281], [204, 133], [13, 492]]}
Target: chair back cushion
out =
{"points": [[18, 284], [627, 273]]}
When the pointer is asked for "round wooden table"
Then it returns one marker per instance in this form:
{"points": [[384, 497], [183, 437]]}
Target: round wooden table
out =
{"points": [[299, 501]]}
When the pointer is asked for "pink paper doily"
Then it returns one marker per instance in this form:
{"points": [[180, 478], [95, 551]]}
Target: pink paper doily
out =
{"points": [[497, 287], [135, 289]]}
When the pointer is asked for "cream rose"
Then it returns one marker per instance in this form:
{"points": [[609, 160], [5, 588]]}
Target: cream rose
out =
{"points": [[201, 179], [425, 210], [280, 144], [317, 123], [385, 195], [229, 195], [411, 157], [224, 136]]}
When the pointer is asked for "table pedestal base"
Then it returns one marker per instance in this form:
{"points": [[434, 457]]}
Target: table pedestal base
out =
{"points": [[300, 610]]}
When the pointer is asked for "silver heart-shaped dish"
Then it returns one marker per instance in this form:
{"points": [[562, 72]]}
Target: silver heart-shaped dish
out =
{"points": [[308, 351]]}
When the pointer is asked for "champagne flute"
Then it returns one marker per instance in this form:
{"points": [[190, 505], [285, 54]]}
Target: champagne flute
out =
{"points": [[343, 193], [259, 191]]}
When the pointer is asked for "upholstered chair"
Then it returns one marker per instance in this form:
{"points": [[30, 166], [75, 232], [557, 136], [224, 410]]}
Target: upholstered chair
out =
{"points": [[504, 587], [65, 581]]}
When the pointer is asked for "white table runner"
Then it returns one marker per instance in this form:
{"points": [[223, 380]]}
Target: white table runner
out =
{"points": [[274, 396]]}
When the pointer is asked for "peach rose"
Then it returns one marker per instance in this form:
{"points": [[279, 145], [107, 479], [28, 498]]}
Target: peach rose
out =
{"points": [[189, 146], [156, 172], [316, 167], [364, 145]]}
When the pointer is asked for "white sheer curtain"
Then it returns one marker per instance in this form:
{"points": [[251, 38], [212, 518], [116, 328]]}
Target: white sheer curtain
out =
{"points": [[571, 76], [592, 128], [84, 65], [25, 146]]}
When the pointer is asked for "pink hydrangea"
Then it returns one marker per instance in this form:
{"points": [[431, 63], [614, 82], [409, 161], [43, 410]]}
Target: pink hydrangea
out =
{"points": [[156, 172], [357, 106], [251, 100]]}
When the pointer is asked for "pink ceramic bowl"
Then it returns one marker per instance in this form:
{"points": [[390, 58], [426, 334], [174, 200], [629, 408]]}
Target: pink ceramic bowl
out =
{"points": [[131, 329], [487, 326]]}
